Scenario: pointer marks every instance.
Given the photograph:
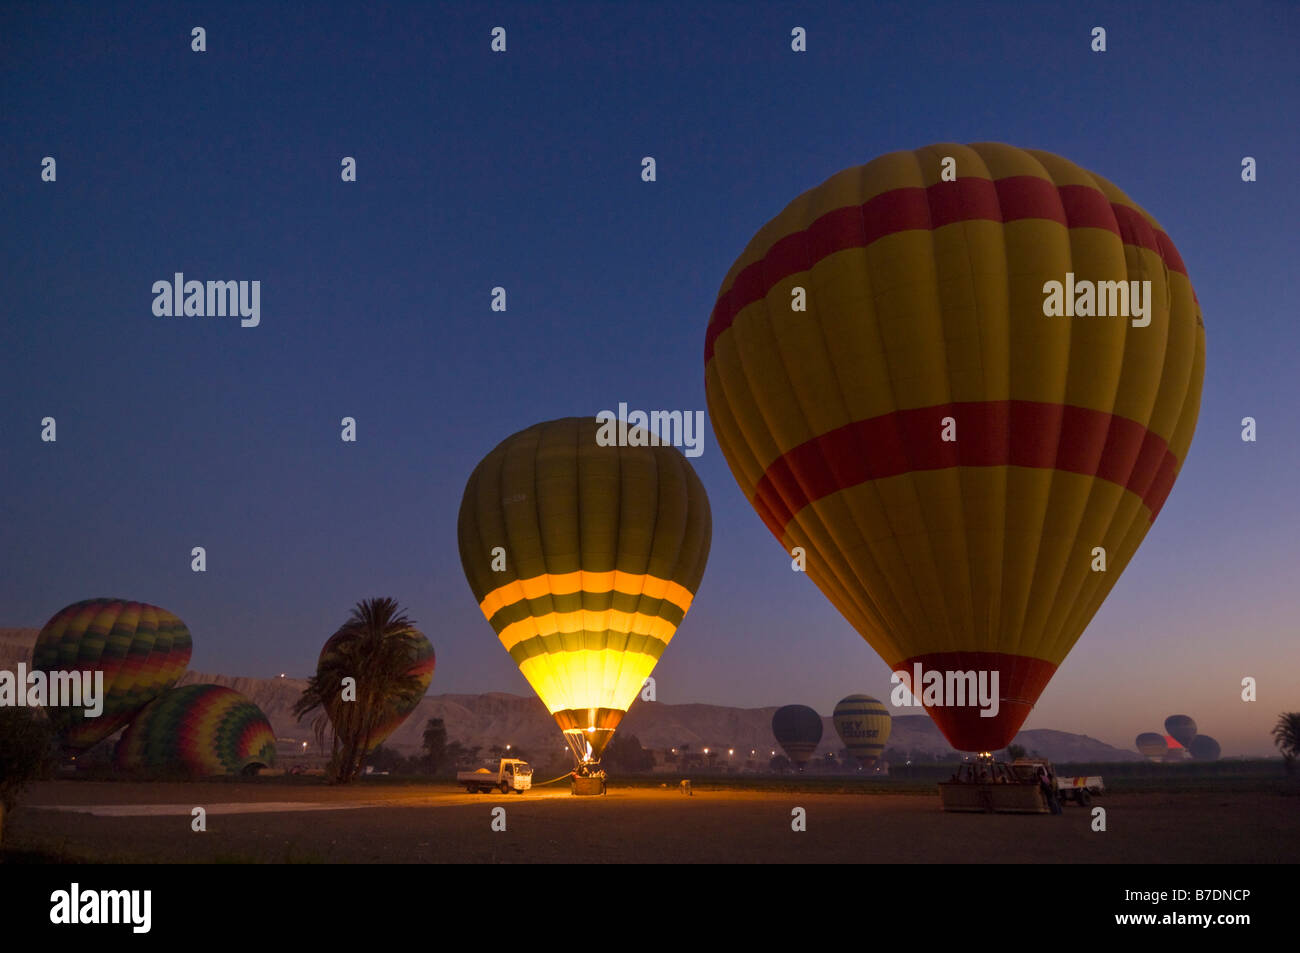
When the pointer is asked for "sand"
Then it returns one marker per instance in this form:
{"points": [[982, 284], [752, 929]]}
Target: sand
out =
{"points": [[272, 822]]}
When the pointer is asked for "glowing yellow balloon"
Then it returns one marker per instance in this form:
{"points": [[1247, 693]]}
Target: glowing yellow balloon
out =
{"points": [[584, 558]]}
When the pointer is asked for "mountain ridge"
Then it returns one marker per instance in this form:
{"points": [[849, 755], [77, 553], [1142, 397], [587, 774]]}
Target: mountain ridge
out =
{"points": [[502, 718]]}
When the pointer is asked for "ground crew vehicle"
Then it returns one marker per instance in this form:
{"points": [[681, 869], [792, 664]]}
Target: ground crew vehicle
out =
{"points": [[511, 775], [1079, 789]]}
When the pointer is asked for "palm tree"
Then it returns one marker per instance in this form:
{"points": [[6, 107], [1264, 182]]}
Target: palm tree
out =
{"points": [[374, 648], [1286, 735]]}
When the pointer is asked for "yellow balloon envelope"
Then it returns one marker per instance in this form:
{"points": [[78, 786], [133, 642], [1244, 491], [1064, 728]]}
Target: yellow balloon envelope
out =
{"points": [[863, 724], [953, 460], [584, 557]]}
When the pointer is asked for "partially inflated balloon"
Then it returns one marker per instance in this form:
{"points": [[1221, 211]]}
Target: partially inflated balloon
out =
{"points": [[422, 666], [1152, 745], [862, 723], [798, 729], [140, 649], [584, 556], [1204, 748], [200, 730], [892, 396], [1182, 728]]}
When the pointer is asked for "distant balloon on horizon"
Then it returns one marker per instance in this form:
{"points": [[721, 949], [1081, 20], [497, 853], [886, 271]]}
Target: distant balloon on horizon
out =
{"points": [[1182, 728], [1152, 745], [798, 729], [1204, 748], [863, 724], [1176, 751]]}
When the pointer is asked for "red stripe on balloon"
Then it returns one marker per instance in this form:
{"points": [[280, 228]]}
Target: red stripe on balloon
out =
{"points": [[1017, 433], [1014, 198], [1021, 679]]}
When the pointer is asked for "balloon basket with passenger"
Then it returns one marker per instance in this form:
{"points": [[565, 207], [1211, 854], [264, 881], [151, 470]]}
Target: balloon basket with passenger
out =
{"points": [[985, 786], [1025, 786]]}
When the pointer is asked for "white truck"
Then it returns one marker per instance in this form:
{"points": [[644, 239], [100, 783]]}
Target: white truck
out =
{"points": [[1081, 789], [511, 775]]}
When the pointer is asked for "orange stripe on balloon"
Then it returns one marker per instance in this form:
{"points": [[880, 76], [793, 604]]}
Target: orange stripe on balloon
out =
{"points": [[1017, 433], [967, 199], [559, 584]]}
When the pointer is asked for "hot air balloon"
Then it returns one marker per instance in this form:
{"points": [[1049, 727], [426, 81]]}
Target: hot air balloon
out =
{"points": [[1181, 728], [200, 730], [862, 723], [584, 556], [1204, 748], [141, 649], [1175, 752], [422, 666], [891, 396], [1152, 745], [798, 729]]}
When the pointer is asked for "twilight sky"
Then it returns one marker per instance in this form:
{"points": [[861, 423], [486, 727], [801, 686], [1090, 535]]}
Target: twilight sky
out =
{"points": [[523, 170]]}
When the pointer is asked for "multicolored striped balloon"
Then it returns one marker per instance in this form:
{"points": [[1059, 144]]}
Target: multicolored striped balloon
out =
{"points": [[893, 398], [423, 663], [863, 724], [584, 558], [141, 649], [201, 730]]}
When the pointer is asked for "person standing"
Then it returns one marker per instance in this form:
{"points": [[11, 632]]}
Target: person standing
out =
{"points": [[1047, 785]]}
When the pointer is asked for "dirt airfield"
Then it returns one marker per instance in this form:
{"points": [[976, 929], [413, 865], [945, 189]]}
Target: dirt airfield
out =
{"points": [[292, 823]]}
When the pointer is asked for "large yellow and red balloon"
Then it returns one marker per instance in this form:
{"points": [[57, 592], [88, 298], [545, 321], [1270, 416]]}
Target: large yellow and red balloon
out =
{"points": [[584, 558], [141, 650], [950, 458]]}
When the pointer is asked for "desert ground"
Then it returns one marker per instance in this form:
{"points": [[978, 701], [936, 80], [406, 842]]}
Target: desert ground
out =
{"points": [[264, 821]]}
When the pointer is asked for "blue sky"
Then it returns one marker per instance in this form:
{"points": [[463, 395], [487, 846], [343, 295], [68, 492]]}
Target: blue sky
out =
{"points": [[523, 170]]}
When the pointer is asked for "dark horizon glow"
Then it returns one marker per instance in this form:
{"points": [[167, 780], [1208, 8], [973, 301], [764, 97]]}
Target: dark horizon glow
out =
{"points": [[522, 170]]}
